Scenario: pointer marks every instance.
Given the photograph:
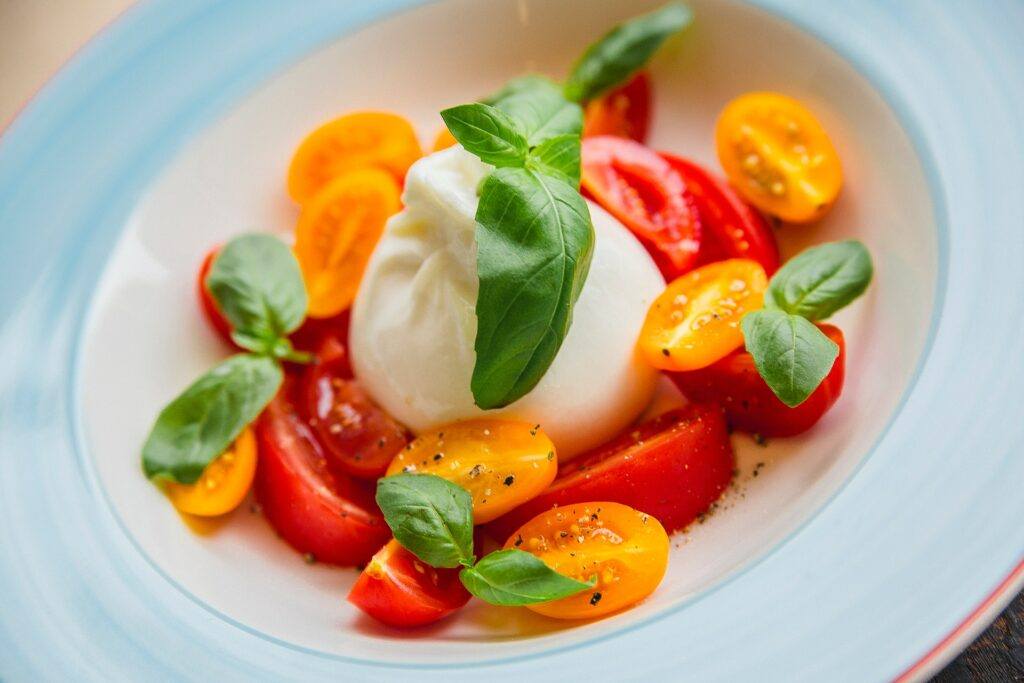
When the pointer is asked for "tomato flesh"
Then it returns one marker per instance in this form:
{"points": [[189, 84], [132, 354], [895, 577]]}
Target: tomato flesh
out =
{"points": [[673, 467], [223, 484], [399, 590], [624, 111], [750, 404], [647, 195]]}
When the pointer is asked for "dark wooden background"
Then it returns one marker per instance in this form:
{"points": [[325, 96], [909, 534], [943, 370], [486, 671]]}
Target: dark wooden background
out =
{"points": [[995, 657]]}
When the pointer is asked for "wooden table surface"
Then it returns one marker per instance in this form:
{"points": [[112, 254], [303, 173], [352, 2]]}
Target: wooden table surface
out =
{"points": [[996, 656]]}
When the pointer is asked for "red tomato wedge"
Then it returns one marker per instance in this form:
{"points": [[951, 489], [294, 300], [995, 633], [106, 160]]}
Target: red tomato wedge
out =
{"points": [[317, 509], [325, 338], [732, 228], [750, 404], [673, 467], [206, 301], [399, 590], [624, 111], [643, 191]]}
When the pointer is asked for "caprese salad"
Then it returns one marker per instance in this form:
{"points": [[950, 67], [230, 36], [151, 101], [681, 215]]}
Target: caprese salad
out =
{"points": [[445, 380]]}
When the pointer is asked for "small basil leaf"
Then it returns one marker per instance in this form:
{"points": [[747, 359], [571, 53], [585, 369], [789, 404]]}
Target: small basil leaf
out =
{"points": [[559, 157], [431, 517], [541, 110], [258, 286], [819, 281], [627, 47], [487, 132], [515, 577], [202, 422], [534, 244], [791, 354]]}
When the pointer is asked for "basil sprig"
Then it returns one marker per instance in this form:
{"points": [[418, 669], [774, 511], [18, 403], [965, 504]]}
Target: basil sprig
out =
{"points": [[432, 518], [258, 287], [791, 354]]}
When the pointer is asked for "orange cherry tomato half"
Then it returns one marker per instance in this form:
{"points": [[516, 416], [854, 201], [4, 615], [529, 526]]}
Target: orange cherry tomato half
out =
{"points": [[337, 232], [696, 320], [502, 463], [223, 484], [776, 153], [624, 111], [624, 549], [444, 140], [369, 139]]}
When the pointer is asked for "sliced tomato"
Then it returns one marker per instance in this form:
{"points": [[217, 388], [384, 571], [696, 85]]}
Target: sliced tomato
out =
{"points": [[624, 111], [399, 590], [673, 467], [314, 507], [325, 338], [732, 228], [356, 434], [643, 191], [750, 404], [206, 301]]}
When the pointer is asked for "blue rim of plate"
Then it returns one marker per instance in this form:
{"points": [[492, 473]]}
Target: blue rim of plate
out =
{"points": [[916, 580]]}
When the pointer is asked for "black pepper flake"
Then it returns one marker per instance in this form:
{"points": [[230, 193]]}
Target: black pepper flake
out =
{"points": [[759, 439], [563, 534], [595, 598], [437, 456], [551, 455], [309, 558], [381, 443], [408, 468], [509, 480], [665, 352], [519, 541], [475, 472]]}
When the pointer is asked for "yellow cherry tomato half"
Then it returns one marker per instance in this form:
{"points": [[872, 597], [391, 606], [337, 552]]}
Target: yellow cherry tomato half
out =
{"points": [[223, 484], [337, 232], [624, 549], [502, 463], [776, 153], [696, 320], [368, 139]]}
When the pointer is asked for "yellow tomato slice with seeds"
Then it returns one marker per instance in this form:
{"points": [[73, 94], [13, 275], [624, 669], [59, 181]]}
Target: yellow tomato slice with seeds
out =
{"points": [[369, 139], [624, 549], [223, 484], [502, 463], [337, 232], [776, 153], [696, 320]]}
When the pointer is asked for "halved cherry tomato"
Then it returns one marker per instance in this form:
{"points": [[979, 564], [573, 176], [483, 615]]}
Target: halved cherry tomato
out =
{"points": [[775, 152], [644, 192], [361, 437], [673, 467], [317, 509], [399, 590], [325, 338], [750, 404], [337, 232], [206, 301], [696, 320], [626, 550], [502, 463], [223, 484], [731, 227], [368, 139], [624, 111], [444, 140]]}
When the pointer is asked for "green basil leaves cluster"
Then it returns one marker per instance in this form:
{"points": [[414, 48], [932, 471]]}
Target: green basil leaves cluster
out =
{"points": [[792, 355], [432, 518], [258, 287], [534, 236]]}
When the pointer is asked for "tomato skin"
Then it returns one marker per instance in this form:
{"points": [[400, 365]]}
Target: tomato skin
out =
{"points": [[647, 195], [399, 590], [732, 227], [673, 467], [313, 507], [223, 484], [206, 301], [750, 404], [624, 111]]}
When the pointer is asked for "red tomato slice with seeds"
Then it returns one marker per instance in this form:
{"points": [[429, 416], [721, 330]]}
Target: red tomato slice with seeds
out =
{"points": [[624, 111]]}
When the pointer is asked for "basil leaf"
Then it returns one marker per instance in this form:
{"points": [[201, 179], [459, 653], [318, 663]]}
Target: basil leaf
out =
{"points": [[258, 286], [534, 245], [558, 156], [201, 423], [488, 133], [541, 110], [615, 57], [819, 281], [791, 354], [431, 517], [516, 577], [521, 84]]}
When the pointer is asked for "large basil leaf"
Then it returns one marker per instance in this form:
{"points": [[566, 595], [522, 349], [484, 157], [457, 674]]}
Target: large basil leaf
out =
{"points": [[558, 156], [431, 517], [540, 108], [615, 57], [515, 577], [791, 354], [487, 132], [202, 422], [819, 281], [534, 244]]}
